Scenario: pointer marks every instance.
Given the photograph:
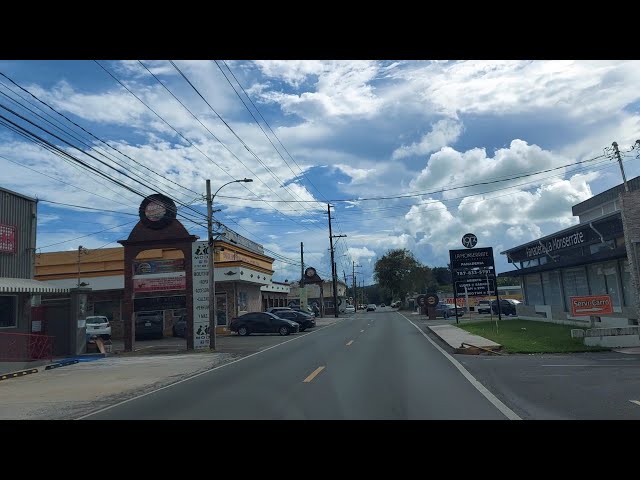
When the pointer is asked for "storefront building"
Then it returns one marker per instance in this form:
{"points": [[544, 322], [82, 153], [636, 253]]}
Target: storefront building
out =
{"points": [[240, 273], [18, 291], [594, 257], [275, 295]]}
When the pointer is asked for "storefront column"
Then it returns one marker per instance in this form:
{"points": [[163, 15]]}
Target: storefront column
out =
{"points": [[630, 210]]}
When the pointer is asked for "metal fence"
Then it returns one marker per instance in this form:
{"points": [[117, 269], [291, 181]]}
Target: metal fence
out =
{"points": [[24, 347]]}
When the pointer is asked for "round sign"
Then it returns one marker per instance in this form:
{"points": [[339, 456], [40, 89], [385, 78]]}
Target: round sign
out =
{"points": [[432, 299], [157, 211], [469, 240], [310, 272], [421, 300]]}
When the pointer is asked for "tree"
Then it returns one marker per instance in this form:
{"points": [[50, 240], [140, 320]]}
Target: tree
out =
{"points": [[508, 281], [394, 271]]}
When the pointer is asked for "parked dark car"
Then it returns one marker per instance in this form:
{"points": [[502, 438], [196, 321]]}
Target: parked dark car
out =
{"points": [[180, 327], [262, 322], [305, 320], [298, 308], [149, 324], [507, 306]]}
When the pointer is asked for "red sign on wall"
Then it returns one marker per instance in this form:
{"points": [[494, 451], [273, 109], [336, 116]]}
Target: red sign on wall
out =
{"points": [[591, 305], [8, 239], [161, 284]]}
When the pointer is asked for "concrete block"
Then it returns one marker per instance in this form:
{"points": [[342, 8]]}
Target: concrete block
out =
{"points": [[615, 341]]}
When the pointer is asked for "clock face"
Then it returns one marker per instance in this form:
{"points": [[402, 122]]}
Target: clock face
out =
{"points": [[155, 211], [310, 272]]}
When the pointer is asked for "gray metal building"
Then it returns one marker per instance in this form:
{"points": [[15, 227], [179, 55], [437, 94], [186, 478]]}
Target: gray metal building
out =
{"points": [[18, 220]]}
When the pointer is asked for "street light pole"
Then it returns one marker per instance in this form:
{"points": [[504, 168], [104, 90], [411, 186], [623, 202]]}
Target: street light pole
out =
{"points": [[213, 317]]}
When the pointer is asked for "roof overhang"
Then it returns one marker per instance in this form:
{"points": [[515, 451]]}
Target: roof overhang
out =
{"points": [[26, 285]]}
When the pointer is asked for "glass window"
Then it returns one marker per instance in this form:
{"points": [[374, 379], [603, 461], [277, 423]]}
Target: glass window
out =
{"points": [[574, 281], [599, 247], [626, 283], [8, 312], [596, 279], [613, 286], [534, 290], [543, 260], [531, 263], [551, 288]]}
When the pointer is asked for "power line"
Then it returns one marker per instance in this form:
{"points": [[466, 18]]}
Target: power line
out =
{"points": [[83, 129], [183, 137], [271, 130], [220, 142]]}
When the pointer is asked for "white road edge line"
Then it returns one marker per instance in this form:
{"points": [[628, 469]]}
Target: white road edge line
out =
{"points": [[201, 373], [506, 411], [637, 402]]}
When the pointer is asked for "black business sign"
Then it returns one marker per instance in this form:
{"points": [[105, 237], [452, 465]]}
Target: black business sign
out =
{"points": [[172, 302], [471, 268], [465, 259], [476, 287]]}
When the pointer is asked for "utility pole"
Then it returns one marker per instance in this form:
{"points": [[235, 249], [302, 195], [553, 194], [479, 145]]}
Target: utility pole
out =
{"points": [[334, 275], [624, 177], [355, 296], [301, 264], [81, 250], [212, 275]]}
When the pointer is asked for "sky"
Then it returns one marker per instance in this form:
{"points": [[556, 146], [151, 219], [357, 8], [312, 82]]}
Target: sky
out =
{"points": [[501, 149]]}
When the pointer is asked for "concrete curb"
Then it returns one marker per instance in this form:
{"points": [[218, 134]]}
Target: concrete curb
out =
{"points": [[21, 373], [61, 364], [462, 349]]}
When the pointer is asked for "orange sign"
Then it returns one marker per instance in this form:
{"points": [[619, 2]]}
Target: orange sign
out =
{"points": [[591, 305]]}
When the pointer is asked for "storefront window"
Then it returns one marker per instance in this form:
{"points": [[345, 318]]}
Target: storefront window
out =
{"points": [[574, 281], [626, 283], [8, 311], [533, 285], [596, 279], [613, 286], [551, 288], [531, 263], [600, 247]]}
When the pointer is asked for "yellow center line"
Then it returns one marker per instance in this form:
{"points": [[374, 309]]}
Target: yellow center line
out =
{"points": [[313, 375], [350, 342]]}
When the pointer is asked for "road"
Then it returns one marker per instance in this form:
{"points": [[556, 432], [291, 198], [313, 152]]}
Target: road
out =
{"points": [[374, 365]]}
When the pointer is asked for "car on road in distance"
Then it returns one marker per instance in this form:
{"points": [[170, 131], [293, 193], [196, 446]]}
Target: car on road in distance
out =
{"points": [[350, 309], [382, 305], [98, 326], [305, 320], [371, 307], [262, 322]]}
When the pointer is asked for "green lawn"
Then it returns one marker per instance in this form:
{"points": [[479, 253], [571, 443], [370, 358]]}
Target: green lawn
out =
{"points": [[527, 336]]}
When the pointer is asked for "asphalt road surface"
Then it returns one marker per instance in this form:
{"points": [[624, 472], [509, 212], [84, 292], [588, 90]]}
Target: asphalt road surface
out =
{"points": [[373, 365]]}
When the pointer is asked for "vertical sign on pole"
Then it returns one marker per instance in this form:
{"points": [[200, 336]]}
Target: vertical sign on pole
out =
{"points": [[200, 267]]}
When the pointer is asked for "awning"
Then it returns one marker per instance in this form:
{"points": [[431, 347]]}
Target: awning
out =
{"points": [[25, 285]]}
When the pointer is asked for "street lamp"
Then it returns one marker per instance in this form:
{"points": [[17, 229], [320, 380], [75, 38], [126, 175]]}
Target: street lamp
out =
{"points": [[213, 318]]}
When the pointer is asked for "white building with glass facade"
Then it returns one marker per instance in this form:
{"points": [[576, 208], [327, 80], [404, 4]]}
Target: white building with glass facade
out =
{"points": [[590, 258]]}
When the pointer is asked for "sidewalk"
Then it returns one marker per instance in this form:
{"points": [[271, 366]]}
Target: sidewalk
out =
{"points": [[453, 336], [76, 390]]}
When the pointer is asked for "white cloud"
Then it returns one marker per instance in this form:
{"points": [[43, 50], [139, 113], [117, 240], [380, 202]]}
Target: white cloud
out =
{"points": [[342, 90], [442, 134], [449, 168], [358, 175]]}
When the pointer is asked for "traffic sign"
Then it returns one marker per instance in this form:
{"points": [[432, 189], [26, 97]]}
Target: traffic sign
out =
{"points": [[587, 305], [469, 240]]}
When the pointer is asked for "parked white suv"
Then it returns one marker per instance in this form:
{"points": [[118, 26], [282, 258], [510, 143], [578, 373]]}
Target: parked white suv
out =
{"points": [[98, 326], [484, 306]]}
